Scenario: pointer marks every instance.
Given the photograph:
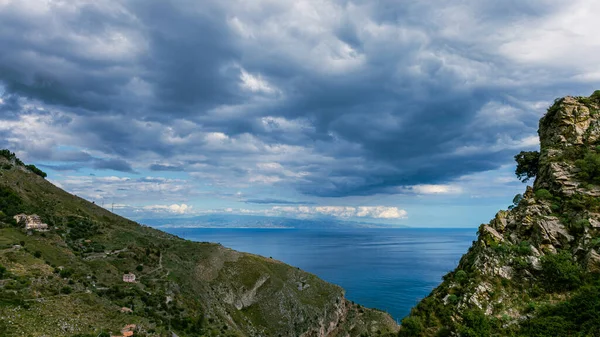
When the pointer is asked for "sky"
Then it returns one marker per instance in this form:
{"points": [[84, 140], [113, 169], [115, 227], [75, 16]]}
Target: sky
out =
{"points": [[399, 112]]}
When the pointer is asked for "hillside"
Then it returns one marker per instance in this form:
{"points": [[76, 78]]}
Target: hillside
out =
{"points": [[533, 270], [68, 280]]}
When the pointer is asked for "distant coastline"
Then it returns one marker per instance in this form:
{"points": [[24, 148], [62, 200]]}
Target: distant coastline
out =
{"points": [[221, 221]]}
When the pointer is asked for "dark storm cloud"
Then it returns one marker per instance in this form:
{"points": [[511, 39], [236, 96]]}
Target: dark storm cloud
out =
{"points": [[160, 167], [113, 164], [67, 167], [269, 201], [364, 97], [96, 163]]}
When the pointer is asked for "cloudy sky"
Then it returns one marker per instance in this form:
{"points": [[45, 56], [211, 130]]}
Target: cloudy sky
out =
{"points": [[404, 112]]}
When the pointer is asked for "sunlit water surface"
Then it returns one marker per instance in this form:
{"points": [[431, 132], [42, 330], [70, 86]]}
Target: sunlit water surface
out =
{"points": [[389, 269]]}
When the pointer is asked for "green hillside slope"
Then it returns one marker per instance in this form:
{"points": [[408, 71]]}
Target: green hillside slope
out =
{"points": [[68, 280]]}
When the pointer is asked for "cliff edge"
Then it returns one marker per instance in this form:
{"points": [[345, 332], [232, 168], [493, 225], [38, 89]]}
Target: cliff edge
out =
{"points": [[533, 270]]}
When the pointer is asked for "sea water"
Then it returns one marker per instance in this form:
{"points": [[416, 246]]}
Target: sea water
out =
{"points": [[388, 269]]}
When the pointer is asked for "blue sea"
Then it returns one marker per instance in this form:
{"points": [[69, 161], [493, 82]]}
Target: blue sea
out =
{"points": [[388, 269]]}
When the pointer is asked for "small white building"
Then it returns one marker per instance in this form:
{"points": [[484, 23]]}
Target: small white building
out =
{"points": [[31, 221], [129, 278]]}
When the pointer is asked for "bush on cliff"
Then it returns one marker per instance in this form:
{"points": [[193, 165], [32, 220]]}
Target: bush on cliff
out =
{"points": [[527, 165], [559, 272], [589, 167], [475, 324], [36, 170], [10, 156]]}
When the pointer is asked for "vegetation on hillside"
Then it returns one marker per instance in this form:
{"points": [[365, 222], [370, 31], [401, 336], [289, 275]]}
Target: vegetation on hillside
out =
{"points": [[68, 281], [12, 159], [589, 167]]}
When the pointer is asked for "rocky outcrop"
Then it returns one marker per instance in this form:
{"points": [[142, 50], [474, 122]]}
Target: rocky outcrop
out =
{"points": [[570, 125], [504, 269]]}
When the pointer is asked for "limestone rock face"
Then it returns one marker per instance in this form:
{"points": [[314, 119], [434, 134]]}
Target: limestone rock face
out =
{"points": [[498, 273], [592, 261], [571, 124], [549, 230]]}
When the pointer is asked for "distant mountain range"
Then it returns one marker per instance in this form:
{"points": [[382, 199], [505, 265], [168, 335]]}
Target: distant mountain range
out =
{"points": [[252, 221]]}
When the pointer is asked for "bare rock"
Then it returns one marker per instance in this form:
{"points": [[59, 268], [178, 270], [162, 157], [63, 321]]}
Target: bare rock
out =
{"points": [[550, 230], [490, 235], [592, 261]]}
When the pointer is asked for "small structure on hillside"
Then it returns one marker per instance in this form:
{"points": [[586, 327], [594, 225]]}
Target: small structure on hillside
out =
{"points": [[128, 330], [126, 310], [31, 221], [129, 278]]}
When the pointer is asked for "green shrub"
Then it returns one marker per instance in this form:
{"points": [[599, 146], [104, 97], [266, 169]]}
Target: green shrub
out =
{"points": [[81, 228], [531, 306], [66, 272], [576, 317], [589, 167], [520, 263], [411, 326], [460, 276], [36, 170], [10, 202], [579, 225], [527, 165], [559, 272], [10, 156], [66, 290], [516, 200], [475, 324], [37, 254], [523, 248], [452, 299], [543, 194], [579, 202], [139, 267]]}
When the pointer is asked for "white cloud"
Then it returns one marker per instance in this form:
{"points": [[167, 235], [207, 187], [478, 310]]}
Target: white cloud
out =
{"points": [[256, 83], [554, 39], [435, 189], [120, 190], [174, 208], [374, 212], [381, 212], [503, 142]]}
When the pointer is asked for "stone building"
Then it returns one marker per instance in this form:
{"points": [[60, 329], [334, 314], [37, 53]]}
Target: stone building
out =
{"points": [[31, 221], [130, 278]]}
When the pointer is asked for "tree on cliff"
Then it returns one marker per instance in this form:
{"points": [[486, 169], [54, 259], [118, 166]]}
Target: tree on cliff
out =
{"points": [[527, 165]]}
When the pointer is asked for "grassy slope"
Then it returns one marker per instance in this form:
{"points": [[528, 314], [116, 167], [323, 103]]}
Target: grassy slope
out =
{"points": [[212, 290]]}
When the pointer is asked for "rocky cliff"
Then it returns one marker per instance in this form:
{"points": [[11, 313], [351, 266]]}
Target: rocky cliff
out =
{"points": [[68, 280], [533, 269]]}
